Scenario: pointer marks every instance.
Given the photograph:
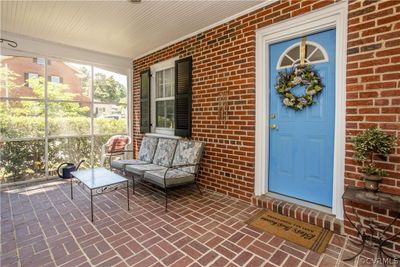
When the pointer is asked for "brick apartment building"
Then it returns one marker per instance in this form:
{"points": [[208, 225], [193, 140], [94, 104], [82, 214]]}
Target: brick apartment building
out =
{"points": [[57, 72]]}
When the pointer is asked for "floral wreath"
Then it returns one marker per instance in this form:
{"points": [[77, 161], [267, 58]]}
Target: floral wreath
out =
{"points": [[303, 75]]}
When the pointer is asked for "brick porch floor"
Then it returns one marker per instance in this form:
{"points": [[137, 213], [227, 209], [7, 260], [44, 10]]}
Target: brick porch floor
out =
{"points": [[42, 226]]}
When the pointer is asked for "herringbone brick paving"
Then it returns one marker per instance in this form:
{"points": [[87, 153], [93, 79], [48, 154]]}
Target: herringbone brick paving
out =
{"points": [[42, 226]]}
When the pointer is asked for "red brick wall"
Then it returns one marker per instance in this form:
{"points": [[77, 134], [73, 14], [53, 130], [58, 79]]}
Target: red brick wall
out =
{"points": [[224, 61], [373, 89]]}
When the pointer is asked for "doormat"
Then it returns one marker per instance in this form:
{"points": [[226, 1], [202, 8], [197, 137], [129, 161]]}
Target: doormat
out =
{"points": [[304, 234]]}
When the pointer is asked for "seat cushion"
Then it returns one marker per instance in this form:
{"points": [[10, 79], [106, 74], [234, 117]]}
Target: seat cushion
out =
{"points": [[120, 164], [165, 152], [139, 170], [188, 152], [173, 177], [148, 148]]}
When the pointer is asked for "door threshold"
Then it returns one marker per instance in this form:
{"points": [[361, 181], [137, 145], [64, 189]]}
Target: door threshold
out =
{"points": [[301, 202], [300, 210]]}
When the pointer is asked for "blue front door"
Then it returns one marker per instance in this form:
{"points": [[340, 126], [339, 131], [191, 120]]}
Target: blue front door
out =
{"points": [[301, 145]]}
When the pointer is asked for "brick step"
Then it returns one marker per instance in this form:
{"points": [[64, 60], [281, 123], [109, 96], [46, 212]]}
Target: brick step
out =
{"points": [[301, 213]]}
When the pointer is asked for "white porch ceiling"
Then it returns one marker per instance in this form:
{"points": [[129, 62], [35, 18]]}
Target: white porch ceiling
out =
{"points": [[116, 27]]}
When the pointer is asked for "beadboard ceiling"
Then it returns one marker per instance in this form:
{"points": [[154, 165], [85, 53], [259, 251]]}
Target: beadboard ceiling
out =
{"points": [[115, 27]]}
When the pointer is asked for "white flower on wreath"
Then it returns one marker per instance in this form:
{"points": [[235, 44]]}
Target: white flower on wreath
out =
{"points": [[302, 100], [297, 80], [287, 102]]}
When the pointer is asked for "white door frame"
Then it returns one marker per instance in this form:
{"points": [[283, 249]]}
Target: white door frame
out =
{"points": [[334, 16]]}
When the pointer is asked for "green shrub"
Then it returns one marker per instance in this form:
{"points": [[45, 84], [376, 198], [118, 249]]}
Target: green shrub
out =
{"points": [[19, 159], [370, 143]]}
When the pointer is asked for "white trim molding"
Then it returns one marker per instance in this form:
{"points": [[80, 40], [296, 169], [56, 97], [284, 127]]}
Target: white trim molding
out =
{"points": [[333, 16], [209, 27]]}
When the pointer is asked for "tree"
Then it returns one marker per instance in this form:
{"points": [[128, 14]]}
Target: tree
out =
{"points": [[85, 81], [7, 80], [107, 89]]}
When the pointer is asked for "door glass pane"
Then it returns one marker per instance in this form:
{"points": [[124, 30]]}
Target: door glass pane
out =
{"points": [[294, 53], [68, 81], [160, 114], [110, 118], [109, 87], [68, 149], [21, 77], [21, 160], [68, 118], [286, 62], [318, 55], [159, 84], [309, 49], [21, 119]]}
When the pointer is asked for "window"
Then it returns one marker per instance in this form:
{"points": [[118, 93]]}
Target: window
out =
{"points": [[55, 79], [31, 79], [56, 121], [165, 99], [39, 60], [315, 53]]}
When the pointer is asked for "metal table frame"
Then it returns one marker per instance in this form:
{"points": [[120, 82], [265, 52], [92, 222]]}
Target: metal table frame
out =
{"points": [[101, 190], [383, 201]]}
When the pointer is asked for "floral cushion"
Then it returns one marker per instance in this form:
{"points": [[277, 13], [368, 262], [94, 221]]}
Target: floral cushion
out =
{"points": [[188, 152], [148, 148], [120, 164], [173, 177], [165, 152], [139, 170]]}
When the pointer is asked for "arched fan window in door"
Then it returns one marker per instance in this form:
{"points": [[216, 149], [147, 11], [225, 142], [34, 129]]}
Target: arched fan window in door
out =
{"points": [[315, 54]]}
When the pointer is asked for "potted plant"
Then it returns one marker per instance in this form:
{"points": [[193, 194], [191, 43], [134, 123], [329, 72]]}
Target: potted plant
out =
{"points": [[369, 145]]}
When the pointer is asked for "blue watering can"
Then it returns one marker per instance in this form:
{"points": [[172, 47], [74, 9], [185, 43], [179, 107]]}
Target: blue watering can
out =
{"points": [[67, 168]]}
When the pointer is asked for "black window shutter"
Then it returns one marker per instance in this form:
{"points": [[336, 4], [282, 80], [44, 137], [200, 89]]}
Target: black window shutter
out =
{"points": [[145, 101], [183, 97], [61, 80]]}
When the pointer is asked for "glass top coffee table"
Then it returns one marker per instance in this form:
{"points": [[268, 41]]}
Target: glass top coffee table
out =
{"points": [[99, 181]]}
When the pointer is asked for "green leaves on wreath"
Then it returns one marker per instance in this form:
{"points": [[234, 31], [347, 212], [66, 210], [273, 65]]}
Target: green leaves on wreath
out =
{"points": [[302, 76]]}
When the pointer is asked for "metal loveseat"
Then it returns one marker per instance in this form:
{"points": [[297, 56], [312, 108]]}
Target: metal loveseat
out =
{"points": [[165, 163]]}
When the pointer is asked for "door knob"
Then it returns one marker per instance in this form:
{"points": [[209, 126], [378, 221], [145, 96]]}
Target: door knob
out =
{"points": [[273, 126]]}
